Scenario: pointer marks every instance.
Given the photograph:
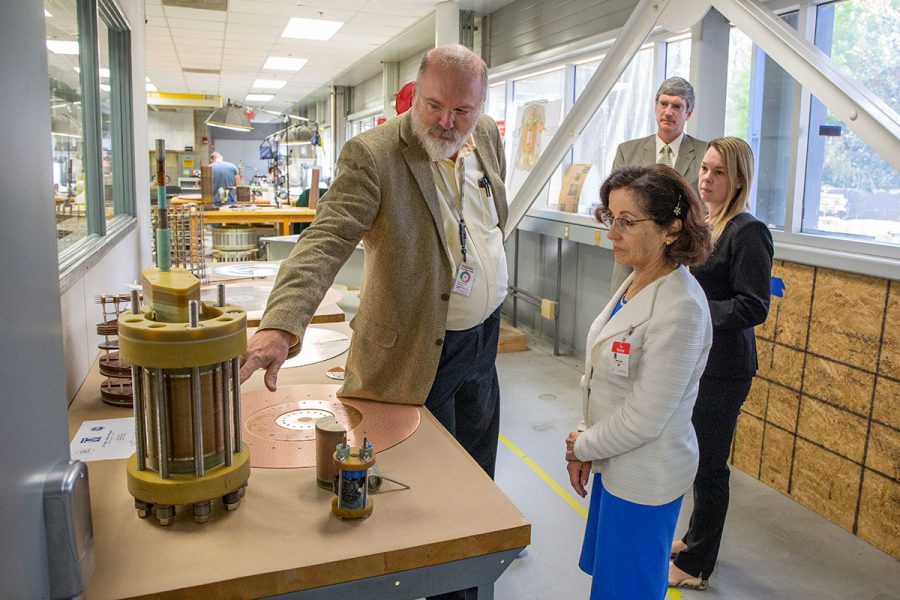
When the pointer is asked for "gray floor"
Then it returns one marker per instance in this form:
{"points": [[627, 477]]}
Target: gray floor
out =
{"points": [[773, 547]]}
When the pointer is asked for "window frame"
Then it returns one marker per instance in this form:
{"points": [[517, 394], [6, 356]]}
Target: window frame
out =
{"points": [[103, 234], [817, 249]]}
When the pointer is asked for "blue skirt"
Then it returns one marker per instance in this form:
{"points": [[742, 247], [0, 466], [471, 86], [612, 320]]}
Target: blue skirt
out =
{"points": [[626, 546]]}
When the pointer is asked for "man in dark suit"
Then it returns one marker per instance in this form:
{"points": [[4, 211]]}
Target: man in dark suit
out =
{"points": [[670, 145]]}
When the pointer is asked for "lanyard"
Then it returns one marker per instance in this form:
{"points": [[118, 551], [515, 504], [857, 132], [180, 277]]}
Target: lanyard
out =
{"points": [[457, 211]]}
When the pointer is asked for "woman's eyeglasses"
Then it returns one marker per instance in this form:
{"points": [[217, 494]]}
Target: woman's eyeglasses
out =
{"points": [[623, 224]]}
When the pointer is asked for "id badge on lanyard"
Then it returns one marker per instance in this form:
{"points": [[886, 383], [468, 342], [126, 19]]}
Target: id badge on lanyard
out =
{"points": [[465, 280]]}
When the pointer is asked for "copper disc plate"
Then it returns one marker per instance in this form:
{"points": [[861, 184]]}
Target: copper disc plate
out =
{"points": [[318, 345], [253, 297], [244, 270], [280, 427]]}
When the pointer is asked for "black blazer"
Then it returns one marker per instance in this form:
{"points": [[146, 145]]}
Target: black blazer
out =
{"points": [[737, 281]]}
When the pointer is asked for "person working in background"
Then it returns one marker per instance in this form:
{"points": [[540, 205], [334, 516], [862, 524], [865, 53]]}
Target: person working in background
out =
{"points": [[424, 191], [670, 146], [225, 176]]}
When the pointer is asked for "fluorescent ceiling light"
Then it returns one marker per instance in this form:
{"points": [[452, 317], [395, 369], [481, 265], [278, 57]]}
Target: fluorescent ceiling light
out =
{"points": [[259, 97], [283, 63], [47, 13], [269, 84], [151, 87], [311, 29], [61, 47], [147, 78]]}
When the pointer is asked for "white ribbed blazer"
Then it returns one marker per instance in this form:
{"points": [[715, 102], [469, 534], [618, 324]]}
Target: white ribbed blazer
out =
{"points": [[639, 434]]}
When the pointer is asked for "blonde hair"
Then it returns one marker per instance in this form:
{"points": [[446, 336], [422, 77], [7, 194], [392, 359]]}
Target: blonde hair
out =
{"points": [[738, 160]]}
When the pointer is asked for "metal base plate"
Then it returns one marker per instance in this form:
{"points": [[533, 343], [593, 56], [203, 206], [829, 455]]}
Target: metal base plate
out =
{"points": [[280, 427]]}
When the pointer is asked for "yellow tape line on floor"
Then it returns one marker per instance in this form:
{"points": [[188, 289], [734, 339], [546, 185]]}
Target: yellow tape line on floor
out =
{"points": [[569, 498], [562, 493]]}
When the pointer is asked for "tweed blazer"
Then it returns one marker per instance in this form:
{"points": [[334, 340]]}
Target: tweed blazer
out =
{"points": [[639, 433], [643, 152], [385, 195]]}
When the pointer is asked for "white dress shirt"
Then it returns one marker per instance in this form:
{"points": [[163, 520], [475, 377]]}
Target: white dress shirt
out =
{"points": [[457, 186]]}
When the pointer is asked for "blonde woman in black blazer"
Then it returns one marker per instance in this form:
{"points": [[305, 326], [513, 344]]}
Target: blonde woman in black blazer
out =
{"points": [[736, 279]]}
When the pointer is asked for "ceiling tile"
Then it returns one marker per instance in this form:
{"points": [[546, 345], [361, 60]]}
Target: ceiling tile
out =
{"points": [[259, 7], [193, 15]]}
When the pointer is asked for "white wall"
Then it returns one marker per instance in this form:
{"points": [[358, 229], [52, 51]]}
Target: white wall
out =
{"points": [[177, 128], [367, 94], [81, 313]]}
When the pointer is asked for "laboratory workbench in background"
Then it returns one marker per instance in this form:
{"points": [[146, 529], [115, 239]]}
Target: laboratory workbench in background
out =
{"points": [[453, 529], [254, 213]]}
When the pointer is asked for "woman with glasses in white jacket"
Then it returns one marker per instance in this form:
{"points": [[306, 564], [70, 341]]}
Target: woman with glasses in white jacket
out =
{"points": [[644, 357]]}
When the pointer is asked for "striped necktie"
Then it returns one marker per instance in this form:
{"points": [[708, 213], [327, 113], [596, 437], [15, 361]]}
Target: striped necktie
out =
{"points": [[665, 156]]}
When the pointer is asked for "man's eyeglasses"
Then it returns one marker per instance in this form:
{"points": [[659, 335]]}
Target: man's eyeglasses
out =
{"points": [[623, 224]]}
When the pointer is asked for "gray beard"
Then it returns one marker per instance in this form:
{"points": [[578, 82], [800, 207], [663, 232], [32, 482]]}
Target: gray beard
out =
{"points": [[443, 147]]}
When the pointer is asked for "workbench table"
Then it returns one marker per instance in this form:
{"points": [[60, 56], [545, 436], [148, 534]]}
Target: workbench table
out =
{"points": [[454, 529], [282, 217]]}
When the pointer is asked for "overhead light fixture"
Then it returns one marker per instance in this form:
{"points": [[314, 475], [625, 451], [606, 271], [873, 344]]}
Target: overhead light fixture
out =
{"points": [[230, 116], [283, 63], [62, 47], [269, 84], [259, 97], [311, 29], [151, 87], [296, 135]]}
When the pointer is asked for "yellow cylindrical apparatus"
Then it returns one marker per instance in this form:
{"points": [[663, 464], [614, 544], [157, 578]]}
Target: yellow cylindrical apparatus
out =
{"points": [[352, 466], [186, 398]]}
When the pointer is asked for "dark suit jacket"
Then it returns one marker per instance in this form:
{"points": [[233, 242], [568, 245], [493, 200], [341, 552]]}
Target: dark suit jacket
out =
{"points": [[385, 195], [737, 281]]}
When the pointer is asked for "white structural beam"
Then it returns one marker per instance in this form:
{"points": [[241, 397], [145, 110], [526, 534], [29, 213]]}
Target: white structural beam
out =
{"points": [[635, 31], [867, 115], [446, 23]]}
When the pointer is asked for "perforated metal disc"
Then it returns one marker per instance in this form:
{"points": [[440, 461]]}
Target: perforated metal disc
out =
{"points": [[244, 270], [318, 345], [253, 297], [280, 427]]}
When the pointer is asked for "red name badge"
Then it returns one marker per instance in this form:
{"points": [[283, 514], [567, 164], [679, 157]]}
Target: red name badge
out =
{"points": [[621, 347]]}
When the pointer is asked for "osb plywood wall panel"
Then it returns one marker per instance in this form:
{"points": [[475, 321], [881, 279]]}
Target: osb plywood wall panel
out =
{"points": [[822, 421]]}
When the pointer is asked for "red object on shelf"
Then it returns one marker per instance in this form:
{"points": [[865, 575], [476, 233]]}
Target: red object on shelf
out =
{"points": [[403, 102]]}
